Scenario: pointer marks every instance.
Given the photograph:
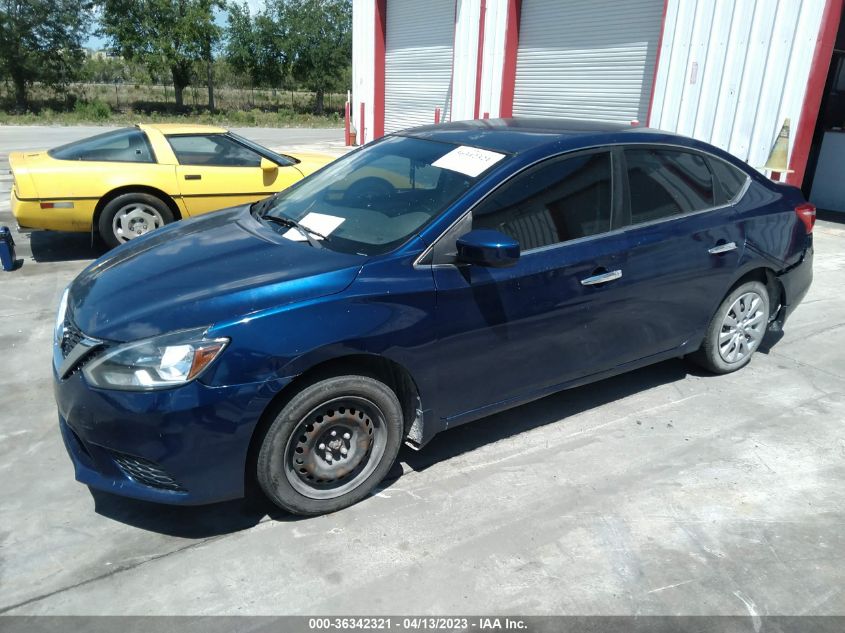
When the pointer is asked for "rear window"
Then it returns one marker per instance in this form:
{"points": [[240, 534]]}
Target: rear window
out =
{"points": [[730, 179], [129, 145], [665, 183]]}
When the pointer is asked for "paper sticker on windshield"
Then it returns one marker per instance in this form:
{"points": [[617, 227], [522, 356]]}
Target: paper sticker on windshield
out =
{"points": [[317, 222], [469, 161]]}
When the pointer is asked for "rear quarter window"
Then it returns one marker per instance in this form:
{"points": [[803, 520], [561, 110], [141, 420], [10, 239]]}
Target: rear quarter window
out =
{"points": [[730, 179], [129, 145]]}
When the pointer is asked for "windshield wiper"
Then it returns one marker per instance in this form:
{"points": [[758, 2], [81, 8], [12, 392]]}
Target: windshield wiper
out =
{"points": [[308, 234]]}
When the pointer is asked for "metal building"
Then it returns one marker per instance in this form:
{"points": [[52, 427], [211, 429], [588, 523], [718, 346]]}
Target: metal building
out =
{"points": [[729, 72]]}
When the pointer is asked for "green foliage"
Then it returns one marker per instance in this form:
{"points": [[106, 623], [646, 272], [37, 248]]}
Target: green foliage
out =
{"points": [[163, 34], [41, 40], [319, 42], [95, 110], [255, 46]]}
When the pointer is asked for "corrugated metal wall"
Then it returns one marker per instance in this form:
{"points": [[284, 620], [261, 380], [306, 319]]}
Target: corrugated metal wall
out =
{"points": [[587, 60], [418, 62], [731, 71], [363, 63]]}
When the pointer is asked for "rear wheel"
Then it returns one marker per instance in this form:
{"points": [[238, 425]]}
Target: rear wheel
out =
{"points": [[736, 330], [131, 215], [330, 445]]}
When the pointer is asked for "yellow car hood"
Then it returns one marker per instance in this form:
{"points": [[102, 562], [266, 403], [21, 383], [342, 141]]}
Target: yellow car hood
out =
{"points": [[309, 162]]}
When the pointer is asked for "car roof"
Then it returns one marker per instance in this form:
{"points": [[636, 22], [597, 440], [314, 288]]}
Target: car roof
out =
{"points": [[183, 128], [521, 134]]}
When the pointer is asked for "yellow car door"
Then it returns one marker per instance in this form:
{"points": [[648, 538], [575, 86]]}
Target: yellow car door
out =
{"points": [[216, 171]]}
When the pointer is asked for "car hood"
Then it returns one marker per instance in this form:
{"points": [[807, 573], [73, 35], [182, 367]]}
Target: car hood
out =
{"points": [[309, 162], [217, 267]]}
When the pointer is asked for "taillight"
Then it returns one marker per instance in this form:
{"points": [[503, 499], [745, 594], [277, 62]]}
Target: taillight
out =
{"points": [[806, 212]]}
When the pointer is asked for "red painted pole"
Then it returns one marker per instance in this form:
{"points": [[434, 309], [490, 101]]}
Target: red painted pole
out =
{"points": [[363, 127], [436, 116], [347, 113]]}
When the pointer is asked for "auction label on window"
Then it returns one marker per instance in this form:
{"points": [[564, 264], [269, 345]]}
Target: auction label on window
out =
{"points": [[469, 161], [320, 222]]}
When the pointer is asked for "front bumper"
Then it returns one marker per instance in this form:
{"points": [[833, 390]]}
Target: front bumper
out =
{"points": [[186, 445]]}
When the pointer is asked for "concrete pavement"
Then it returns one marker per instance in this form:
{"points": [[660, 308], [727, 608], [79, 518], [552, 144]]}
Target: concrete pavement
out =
{"points": [[664, 491]]}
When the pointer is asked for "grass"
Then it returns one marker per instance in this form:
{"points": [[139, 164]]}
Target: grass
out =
{"points": [[103, 104], [241, 118]]}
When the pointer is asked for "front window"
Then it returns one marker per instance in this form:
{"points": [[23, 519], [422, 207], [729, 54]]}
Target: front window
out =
{"points": [[371, 201], [217, 150]]}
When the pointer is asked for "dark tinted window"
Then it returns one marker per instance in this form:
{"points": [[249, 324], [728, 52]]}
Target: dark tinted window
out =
{"points": [[731, 179], [212, 149], [127, 145], [560, 200], [664, 183]]}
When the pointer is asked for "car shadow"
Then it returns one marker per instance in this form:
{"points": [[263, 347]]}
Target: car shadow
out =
{"points": [[198, 522], [551, 409], [55, 246]]}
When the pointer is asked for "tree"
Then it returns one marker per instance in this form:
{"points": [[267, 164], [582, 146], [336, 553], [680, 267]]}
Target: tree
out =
{"points": [[318, 42], [171, 34], [41, 40], [255, 46]]}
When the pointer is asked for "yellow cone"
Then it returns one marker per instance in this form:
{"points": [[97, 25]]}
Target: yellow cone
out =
{"points": [[779, 154]]}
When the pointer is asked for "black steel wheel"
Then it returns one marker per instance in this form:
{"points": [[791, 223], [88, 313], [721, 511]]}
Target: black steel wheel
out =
{"points": [[330, 445]]}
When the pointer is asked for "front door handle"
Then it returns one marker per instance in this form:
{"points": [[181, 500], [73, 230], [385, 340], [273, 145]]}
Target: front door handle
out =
{"points": [[193, 177], [602, 278], [722, 248]]}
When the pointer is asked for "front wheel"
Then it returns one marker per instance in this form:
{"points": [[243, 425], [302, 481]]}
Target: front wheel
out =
{"points": [[330, 445], [131, 215], [736, 330]]}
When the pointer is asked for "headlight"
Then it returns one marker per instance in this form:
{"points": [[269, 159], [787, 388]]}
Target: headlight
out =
{"points": [[60, 316], [155, 363]]}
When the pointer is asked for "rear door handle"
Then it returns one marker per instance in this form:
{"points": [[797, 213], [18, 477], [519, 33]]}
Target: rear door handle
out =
{"points": [[602, 278], [722, 248], [193, 177]]}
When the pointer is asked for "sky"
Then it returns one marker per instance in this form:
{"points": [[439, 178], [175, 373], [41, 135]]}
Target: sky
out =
{"points": [[97, 43]]}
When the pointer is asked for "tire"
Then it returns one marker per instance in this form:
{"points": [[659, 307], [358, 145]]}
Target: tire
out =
{"points": [[739, 326], [131, 215], [330, 445]]}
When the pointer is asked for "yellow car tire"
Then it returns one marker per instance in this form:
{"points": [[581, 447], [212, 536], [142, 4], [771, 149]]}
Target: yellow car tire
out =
{"points": [[131, 215]]}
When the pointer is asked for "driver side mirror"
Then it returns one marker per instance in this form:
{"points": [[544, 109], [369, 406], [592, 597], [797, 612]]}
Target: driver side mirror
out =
{"points": [[484, 247], [268, 165]]}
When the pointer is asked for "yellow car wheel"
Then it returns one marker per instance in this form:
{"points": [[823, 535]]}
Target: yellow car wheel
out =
{"points": [[131, 215]]}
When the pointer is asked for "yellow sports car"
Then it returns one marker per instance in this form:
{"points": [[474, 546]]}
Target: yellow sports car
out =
{"points": [[127, 182]]}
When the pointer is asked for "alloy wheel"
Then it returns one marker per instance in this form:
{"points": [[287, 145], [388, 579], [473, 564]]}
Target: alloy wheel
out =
{"points": [[135, 219], [743, 328]]}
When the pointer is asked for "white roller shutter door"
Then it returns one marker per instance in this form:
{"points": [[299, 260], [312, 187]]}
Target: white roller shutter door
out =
{"points": [[583, 59], [418, 62]]}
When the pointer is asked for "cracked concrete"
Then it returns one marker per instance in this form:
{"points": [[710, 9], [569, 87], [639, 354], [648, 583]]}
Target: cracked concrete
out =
{"points": [[664, 491]]}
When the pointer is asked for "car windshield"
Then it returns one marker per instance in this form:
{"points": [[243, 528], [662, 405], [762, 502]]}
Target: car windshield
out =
{"points": [[371, 201]]}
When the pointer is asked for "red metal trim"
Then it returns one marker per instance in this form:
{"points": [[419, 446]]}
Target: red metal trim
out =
{"points": [[509, 67], [436, 116], [479, 58], [450, 97], [378, 75], [347, 111], [815, 88], [656, 62], [363, 124]]}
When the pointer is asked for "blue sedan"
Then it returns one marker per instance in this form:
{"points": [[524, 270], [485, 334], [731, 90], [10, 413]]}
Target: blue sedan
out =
{"points": [[426, 280]]}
